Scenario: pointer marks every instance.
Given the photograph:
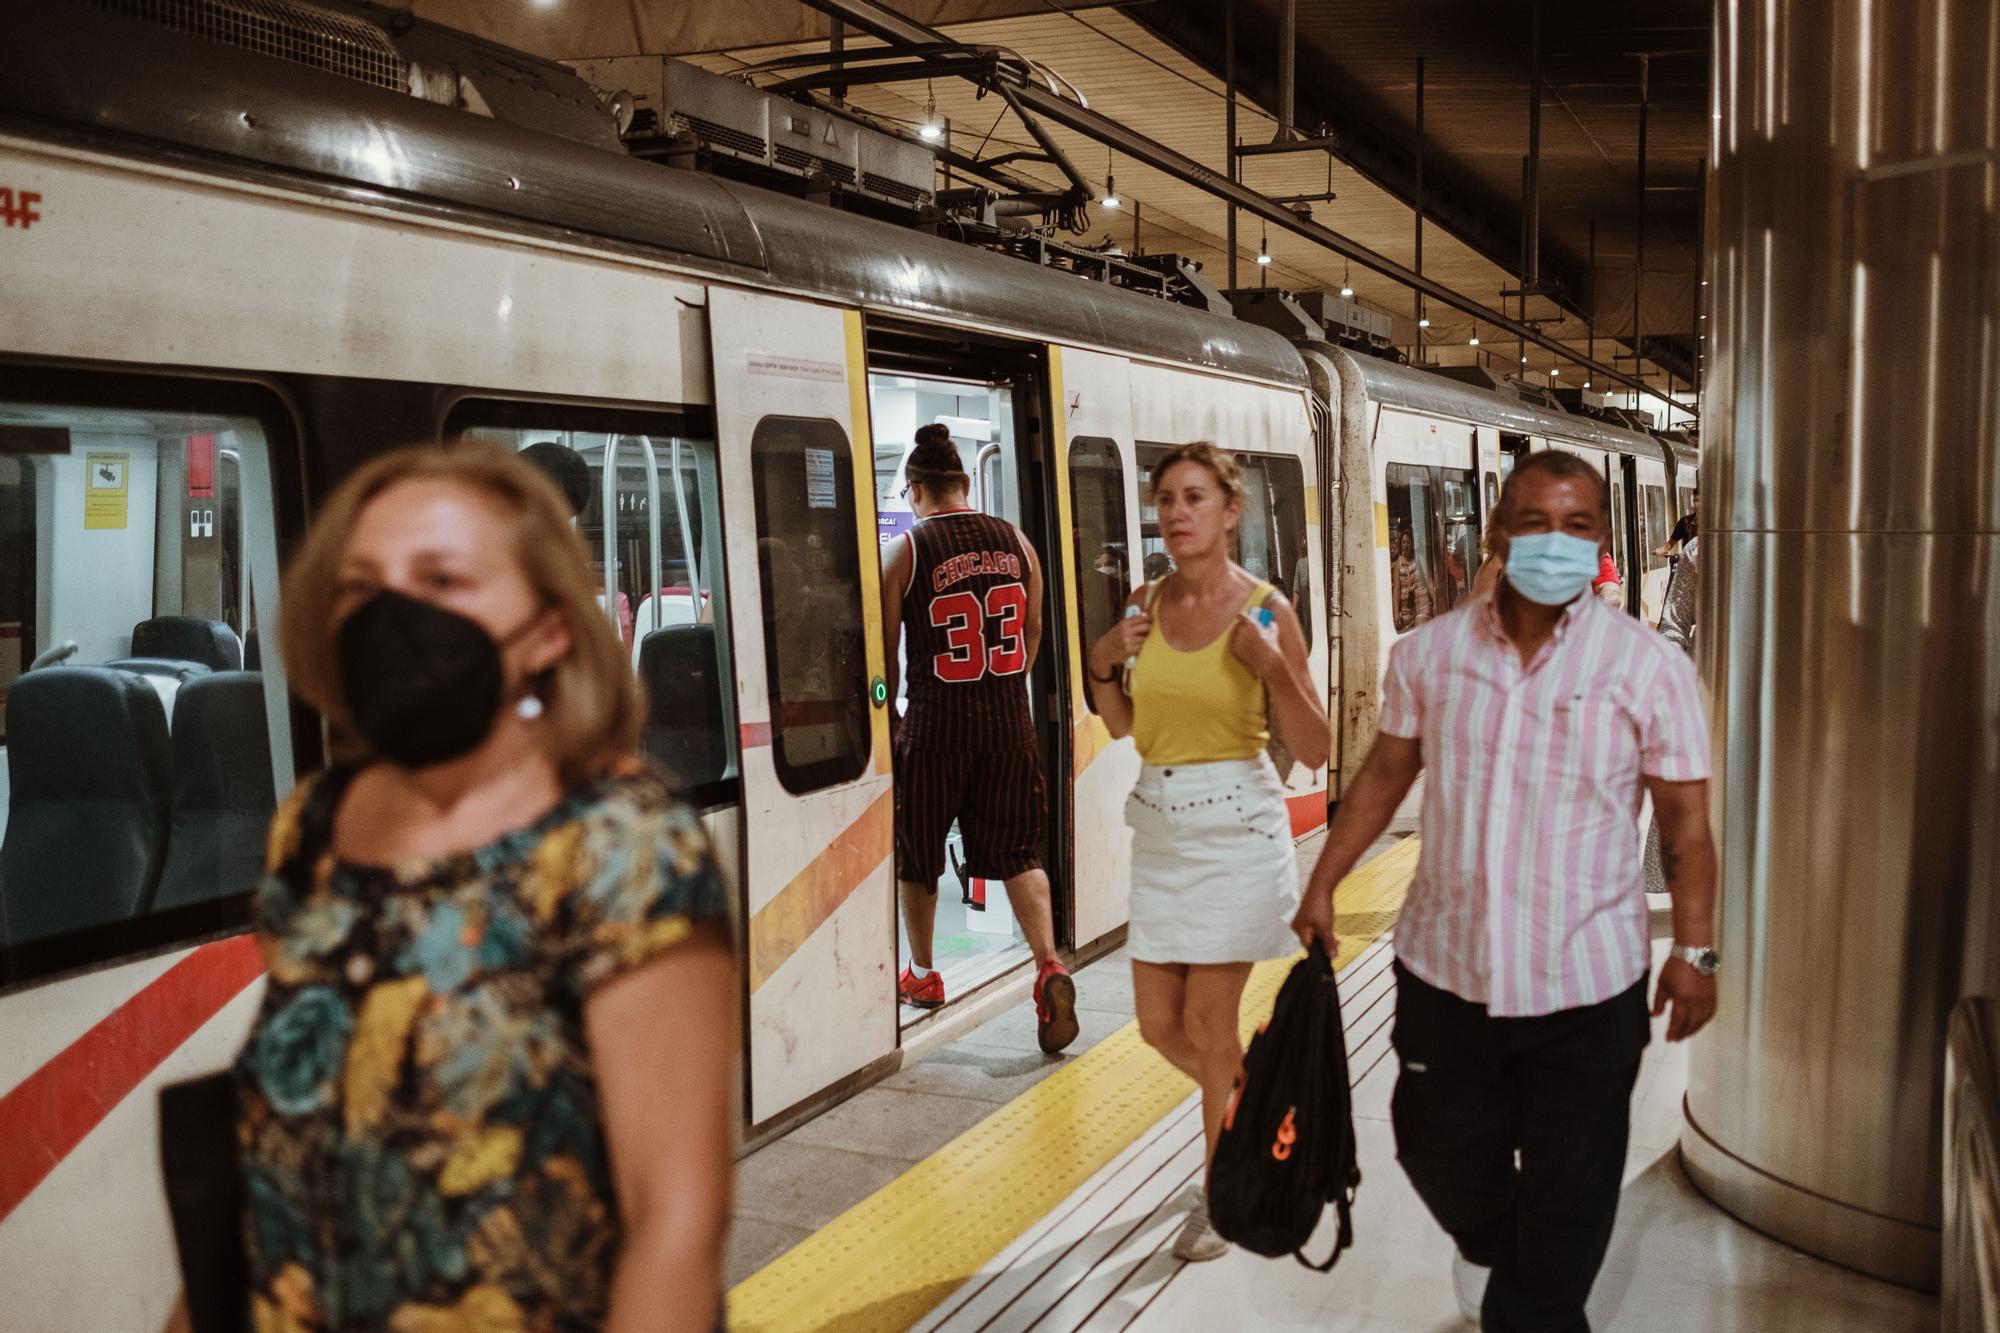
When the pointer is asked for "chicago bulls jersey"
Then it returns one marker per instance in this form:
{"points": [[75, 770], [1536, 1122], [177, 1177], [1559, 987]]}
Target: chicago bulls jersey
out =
{"points": [[965, 628]]}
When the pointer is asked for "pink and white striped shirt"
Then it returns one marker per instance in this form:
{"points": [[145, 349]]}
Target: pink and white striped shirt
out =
{"points": [[1529, 895]]}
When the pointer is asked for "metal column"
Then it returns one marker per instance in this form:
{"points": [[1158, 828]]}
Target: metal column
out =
{"points": [[1849, 628]]}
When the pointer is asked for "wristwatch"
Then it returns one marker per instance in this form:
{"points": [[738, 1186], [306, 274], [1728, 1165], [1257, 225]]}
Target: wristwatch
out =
{"points": [[1700, 957]]}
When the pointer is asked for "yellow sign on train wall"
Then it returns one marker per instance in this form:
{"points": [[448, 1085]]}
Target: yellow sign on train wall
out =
{"points": [[104, 494]]}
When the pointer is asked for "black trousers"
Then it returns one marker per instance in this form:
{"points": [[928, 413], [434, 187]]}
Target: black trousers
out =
{"points": [[1555, 1089]]}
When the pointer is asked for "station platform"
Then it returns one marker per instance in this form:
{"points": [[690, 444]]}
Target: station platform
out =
{"points": [[987, 1186]]}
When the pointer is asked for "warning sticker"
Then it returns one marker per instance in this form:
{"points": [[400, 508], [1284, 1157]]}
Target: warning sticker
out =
{"points": [[819, 479], [105, 494]]}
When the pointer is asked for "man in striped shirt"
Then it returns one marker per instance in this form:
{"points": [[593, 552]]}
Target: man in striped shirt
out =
{"points": [[1541, 716]]}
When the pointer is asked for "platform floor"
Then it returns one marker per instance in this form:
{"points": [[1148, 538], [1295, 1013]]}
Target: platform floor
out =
{"points": [[961, 1194]]}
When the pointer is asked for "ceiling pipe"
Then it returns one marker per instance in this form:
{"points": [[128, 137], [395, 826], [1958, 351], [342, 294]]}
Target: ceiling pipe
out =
{"points": [[1531, 204], [1639, 241], [885, 24], [1229, 121], [1417, 317], [1288, 55]]}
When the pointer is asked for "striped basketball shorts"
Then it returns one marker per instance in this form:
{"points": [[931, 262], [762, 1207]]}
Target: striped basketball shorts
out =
{"points": [[998, 798]]}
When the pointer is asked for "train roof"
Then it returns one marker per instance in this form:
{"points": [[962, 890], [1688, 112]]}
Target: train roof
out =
{"points": [[116, 78], [1419, 390]]}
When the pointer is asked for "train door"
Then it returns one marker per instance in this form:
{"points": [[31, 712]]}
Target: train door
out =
{"points": [[1621, 528], [1650, 498], [1096, 487], [991, 397], [818, 833]]}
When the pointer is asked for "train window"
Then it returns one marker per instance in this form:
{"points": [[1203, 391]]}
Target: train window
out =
{"points": [[142, 760], [1103, 562], [659, 556], [1620, 543], [1656, 528], [814, 651], [1271, 539], [1154, 562], [1461, 535], [1416, 544]]}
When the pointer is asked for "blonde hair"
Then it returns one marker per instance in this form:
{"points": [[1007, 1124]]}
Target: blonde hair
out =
{"points": [[592, 707], [1220, 464]]}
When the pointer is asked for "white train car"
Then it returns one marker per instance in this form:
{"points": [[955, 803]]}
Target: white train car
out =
{"points": [[234, 278], [1422, 457], [231, 278]]}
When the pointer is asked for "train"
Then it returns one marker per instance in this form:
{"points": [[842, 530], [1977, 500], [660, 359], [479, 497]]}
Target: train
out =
{"points": [[236, 267]]}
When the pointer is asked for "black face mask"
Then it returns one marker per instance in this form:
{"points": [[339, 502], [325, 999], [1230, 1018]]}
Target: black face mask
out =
{"points": [[423, 684]]}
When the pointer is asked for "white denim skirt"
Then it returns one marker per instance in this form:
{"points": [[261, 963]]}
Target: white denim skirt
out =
{"points": [[1215, 877]]}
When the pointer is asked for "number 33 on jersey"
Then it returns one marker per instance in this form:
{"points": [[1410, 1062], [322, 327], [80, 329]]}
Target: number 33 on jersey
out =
{"points": [[965, 618]]}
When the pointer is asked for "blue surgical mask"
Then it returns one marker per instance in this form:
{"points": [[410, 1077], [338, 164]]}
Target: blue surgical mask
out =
{"points": [[1551, 568]]}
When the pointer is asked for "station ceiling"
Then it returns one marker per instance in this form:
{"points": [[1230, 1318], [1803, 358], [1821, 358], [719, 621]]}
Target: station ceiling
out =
{"points": [[1157, 66]]}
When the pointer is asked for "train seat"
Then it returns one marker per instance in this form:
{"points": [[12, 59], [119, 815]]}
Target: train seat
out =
{"points": [[683, 731], [223, 796], [91, 787], [676, 607], [165, 674], [253, 652], [191, 638]]}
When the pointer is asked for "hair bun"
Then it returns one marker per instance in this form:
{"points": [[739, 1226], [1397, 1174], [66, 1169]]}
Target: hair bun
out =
{"points": [[935, 453]]}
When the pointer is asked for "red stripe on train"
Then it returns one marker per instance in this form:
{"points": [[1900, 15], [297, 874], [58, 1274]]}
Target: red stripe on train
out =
{"points": [[48, 1113], [1308, 812]]}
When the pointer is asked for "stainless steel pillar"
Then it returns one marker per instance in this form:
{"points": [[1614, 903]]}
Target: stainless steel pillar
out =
{"points": [[1850, 608]]}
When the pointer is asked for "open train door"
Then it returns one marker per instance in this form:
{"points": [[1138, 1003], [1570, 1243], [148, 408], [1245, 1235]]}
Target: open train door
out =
{"points": [[818, 829], [1097, 503]]}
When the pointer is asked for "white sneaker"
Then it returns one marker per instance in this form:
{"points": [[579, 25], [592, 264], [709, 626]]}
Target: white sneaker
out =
{"points": [[1198, 1241], [1468, 1283]]}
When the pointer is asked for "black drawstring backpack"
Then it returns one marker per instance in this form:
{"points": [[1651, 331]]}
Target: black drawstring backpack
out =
{"points": [[1287, 1147]]}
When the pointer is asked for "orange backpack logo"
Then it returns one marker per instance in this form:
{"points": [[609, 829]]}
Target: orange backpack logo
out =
{"points": [[1288, 1134]]}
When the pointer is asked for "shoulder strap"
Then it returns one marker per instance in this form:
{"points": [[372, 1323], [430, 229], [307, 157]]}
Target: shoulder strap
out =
{"points": [[1260, 594], [1152, 594]]}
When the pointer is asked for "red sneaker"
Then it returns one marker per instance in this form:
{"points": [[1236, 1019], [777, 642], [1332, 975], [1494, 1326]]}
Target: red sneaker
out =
{"points": [[925, 994], [1055, 1007]]}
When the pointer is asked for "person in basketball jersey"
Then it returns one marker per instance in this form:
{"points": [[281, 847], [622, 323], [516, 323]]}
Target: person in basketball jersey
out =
{"points": [[962, 594]]}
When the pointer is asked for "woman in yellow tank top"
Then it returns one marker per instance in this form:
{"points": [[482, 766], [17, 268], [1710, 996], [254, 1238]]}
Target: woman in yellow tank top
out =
{"points": [[1213, 652]]}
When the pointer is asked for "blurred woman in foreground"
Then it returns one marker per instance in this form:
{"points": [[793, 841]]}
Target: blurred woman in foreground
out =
{"points": [[490, 1083]]}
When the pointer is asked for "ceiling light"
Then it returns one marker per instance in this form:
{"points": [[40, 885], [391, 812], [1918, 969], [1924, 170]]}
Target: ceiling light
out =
{"points": [[1263, 258], [1555, 370], [1110, 199], [1586, 384], [932, 128], [1347, 292], [1264, 247], [1524, 360], [1347, 281], [1424, 323], [1473, 341]]}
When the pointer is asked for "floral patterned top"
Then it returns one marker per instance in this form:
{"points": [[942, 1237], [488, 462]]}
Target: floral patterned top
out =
{"points": [[422, 1150]]}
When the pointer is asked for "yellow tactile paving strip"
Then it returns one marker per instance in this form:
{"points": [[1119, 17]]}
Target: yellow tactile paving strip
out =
{"points": [[890, 1259]]}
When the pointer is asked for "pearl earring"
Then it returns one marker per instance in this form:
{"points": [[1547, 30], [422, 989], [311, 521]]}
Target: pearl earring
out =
{"points": [[529, 708]]}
